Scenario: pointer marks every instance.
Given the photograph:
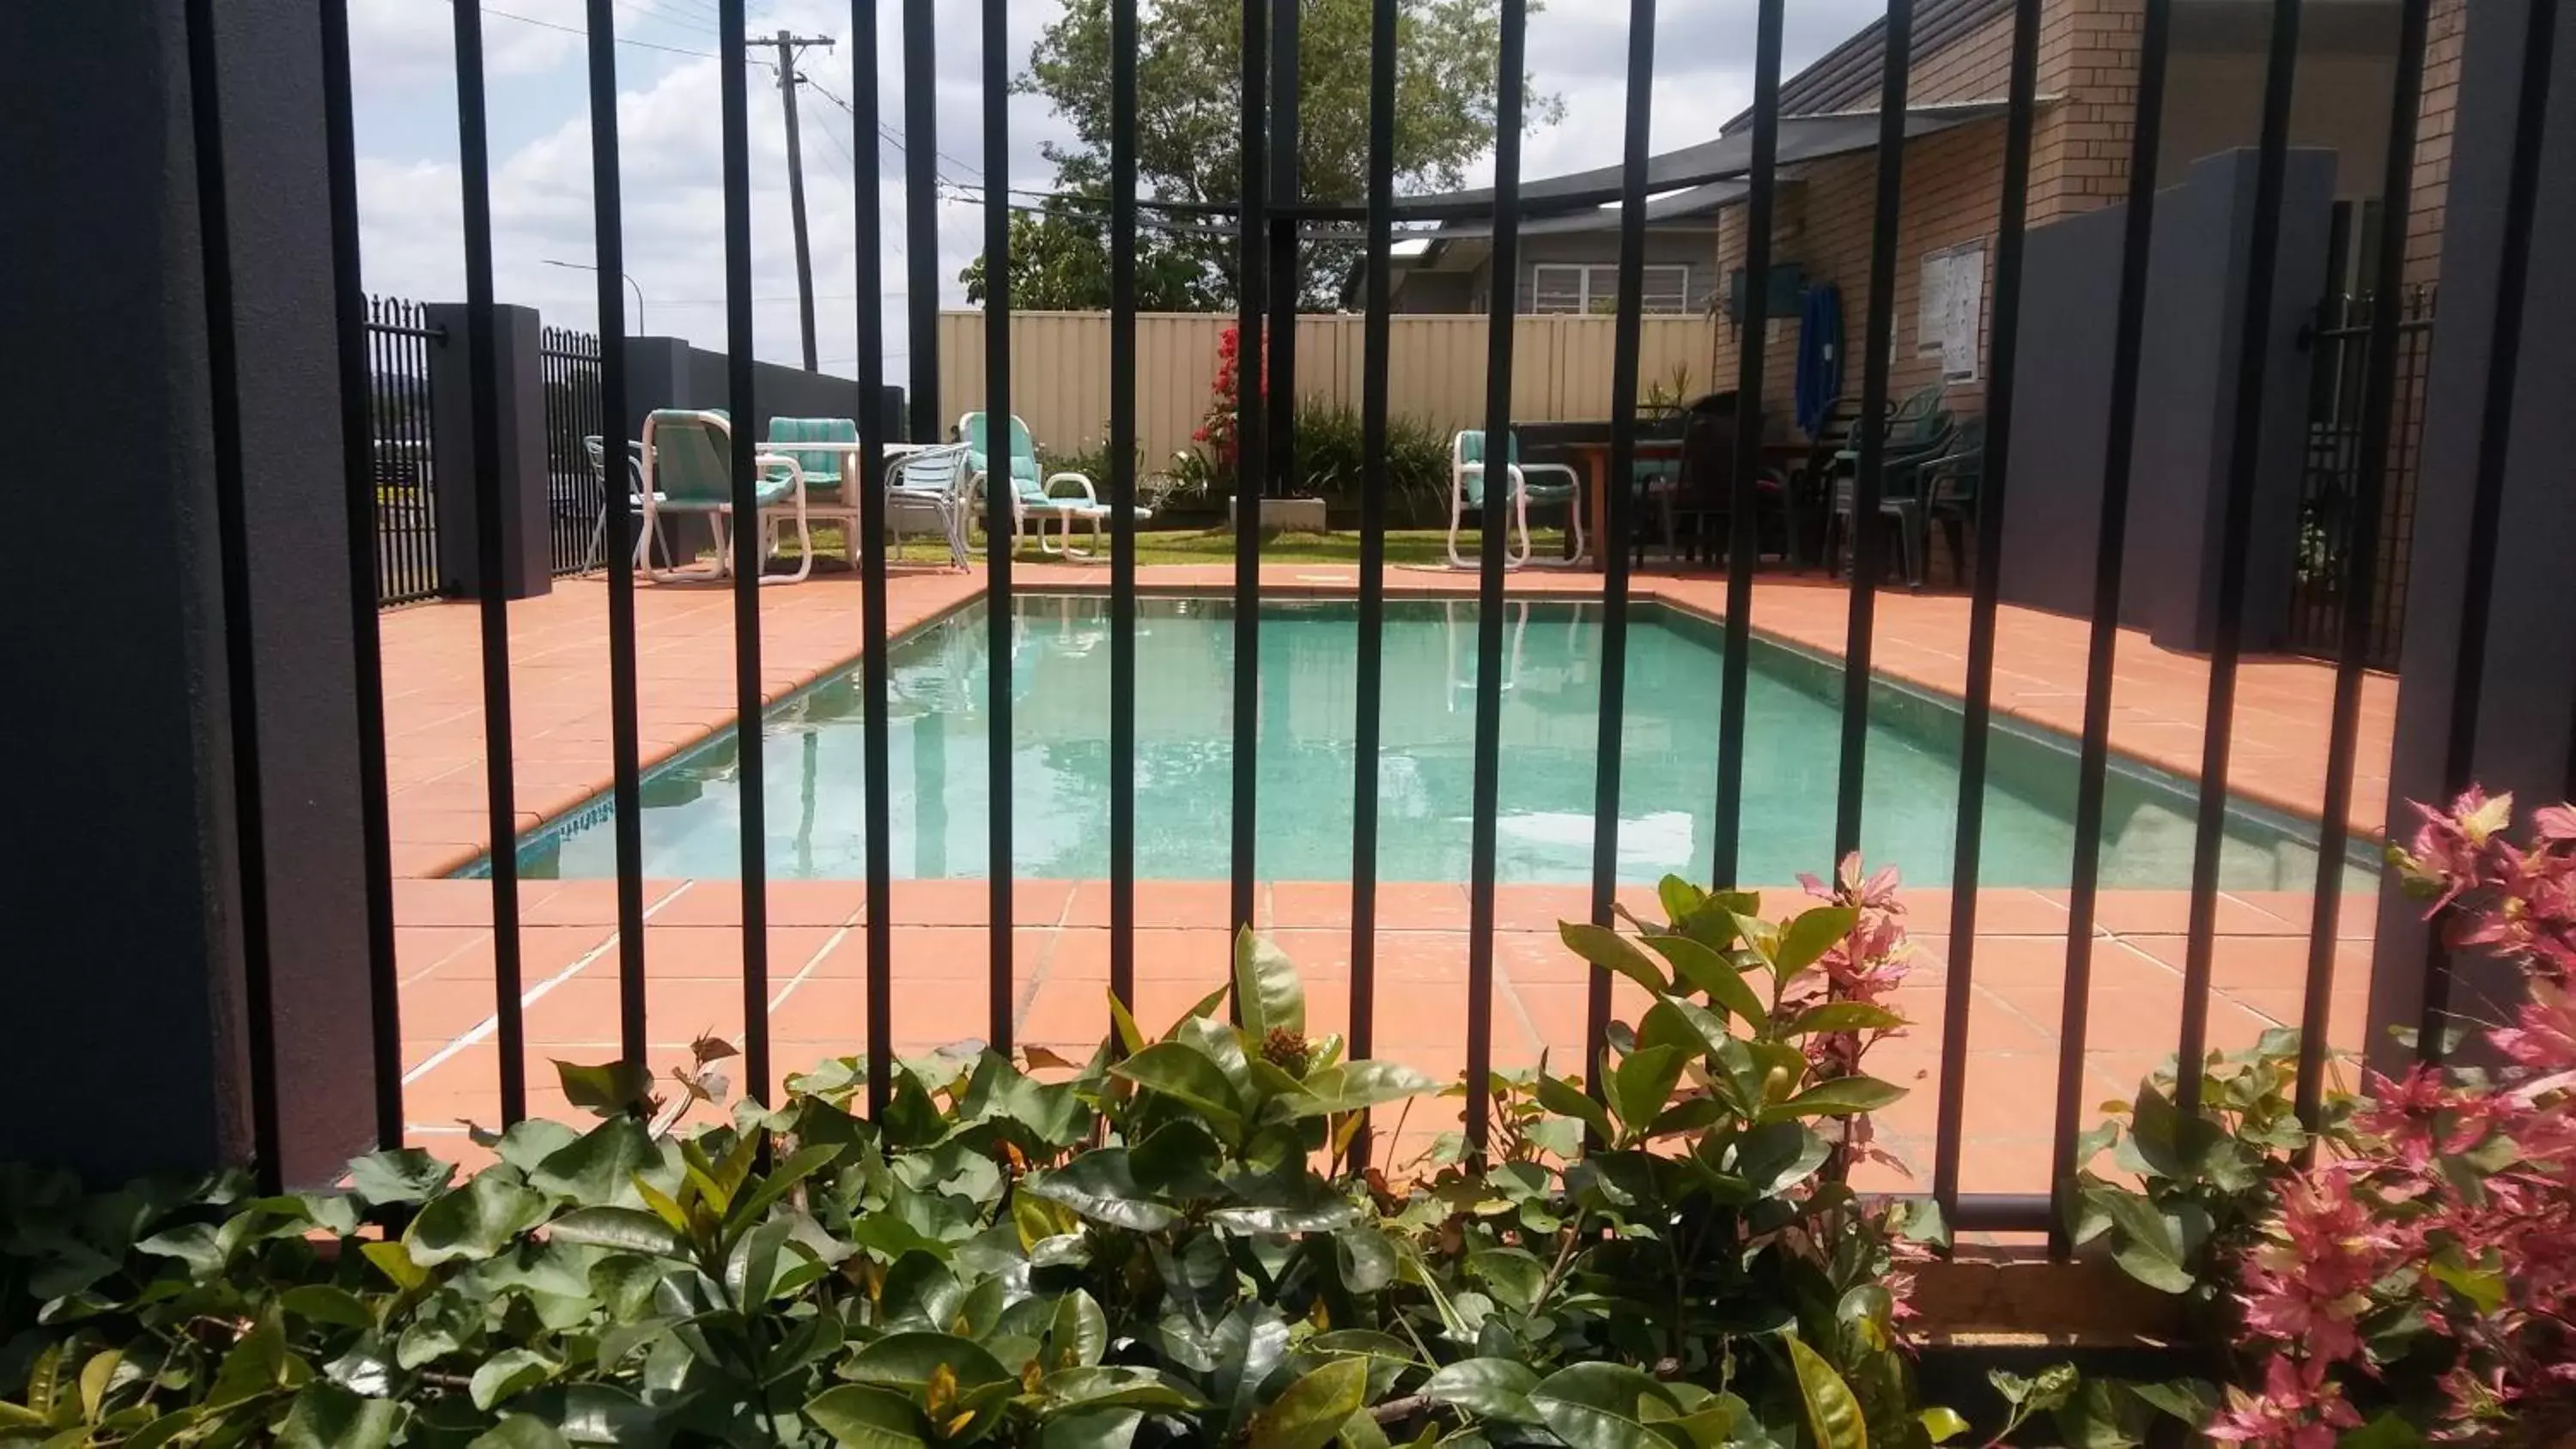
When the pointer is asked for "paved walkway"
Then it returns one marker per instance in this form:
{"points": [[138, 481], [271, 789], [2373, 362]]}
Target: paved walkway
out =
{"points": [[942, 939]]}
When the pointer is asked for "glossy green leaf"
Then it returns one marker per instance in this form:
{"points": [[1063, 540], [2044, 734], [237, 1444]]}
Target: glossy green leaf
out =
{"points": [[908, 1360], [324, 1303], [1704, 969], [1100, 1186], [1567, 1100], [597, 1166], [2147, 1247], [1810, 936], [1840, 1097], [1365, 1257], [1833, 1414], [475, 1221], [1835, 1016], [1489, 1388], [1186, 1075], [621, 1230], [520, 1431], [398, 1175], [782, 1180], [1090, 1428], [867, 1418], [1606, 948], [1079, 1334], [1309, 1412], [1941, 1424], [1266, 987], [1643, 1083], [394, 1261], [256, 1364], [2384, 1431], [1357, 1086], [511, 1371], [609, 1089], [1600, 1405], [1120, 1386], [327, 1416]]}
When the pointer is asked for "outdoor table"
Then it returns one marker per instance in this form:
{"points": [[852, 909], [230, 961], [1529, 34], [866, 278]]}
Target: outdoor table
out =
{"points": [[1593, 460]]}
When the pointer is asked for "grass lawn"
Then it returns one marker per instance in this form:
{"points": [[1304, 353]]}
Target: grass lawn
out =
{"points": [[1419, 546]]}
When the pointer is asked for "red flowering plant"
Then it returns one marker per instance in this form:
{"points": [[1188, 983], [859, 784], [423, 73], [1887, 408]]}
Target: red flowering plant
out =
{"points": [[1216, 429], [2418, 1277]]}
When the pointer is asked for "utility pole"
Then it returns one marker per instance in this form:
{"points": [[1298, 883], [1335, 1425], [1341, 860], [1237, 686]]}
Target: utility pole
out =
{"points": [[786, 44]]}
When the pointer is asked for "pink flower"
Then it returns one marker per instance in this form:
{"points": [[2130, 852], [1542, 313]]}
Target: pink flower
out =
{"points": [[2289, 1411]]}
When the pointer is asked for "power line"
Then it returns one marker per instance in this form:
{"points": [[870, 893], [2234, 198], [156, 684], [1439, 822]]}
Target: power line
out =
{"points": [[577, 30], [894, 137]]}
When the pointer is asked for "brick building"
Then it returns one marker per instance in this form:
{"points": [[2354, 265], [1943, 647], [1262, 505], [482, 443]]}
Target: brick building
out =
{"points": [[2088, 56]]}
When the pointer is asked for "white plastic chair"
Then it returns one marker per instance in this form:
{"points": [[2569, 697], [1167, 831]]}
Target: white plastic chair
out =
{"points": [[688, 469], [1467, 491], [644, 538]]}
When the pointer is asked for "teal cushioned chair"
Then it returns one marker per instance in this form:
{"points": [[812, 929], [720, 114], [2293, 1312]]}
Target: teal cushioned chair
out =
{"points": [[688, 469], [1467, 491]]}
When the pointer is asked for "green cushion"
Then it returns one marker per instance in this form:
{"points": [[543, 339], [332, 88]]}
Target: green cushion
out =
{"points": [[821, 466]]}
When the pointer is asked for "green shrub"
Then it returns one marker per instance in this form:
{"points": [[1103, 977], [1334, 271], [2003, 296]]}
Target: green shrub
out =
{"points": [[1164, 1245]]}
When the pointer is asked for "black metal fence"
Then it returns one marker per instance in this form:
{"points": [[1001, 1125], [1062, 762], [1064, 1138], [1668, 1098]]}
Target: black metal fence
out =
{"points": [[399, 338], [2330, 489], [1272, 204], [573, 494]]}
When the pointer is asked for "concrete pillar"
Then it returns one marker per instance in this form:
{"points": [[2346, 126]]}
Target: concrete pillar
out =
{"points": [[2527, 703], [518, 370], [120, 883]]}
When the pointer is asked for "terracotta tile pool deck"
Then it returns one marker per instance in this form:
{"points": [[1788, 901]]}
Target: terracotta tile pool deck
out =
{"points": [[941, 934]]}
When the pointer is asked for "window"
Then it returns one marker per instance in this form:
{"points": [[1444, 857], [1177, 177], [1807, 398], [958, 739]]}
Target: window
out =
{"points": [[1569, 288]]}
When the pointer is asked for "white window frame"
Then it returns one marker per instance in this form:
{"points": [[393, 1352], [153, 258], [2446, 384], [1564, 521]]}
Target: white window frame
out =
{"points": [[1596, 288]]}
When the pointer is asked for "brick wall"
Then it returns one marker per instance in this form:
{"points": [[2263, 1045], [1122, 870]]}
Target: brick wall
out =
{"points": [[2447, 23], [1953, 183]]}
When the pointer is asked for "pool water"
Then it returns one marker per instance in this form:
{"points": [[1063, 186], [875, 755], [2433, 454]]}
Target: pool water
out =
{"points": [[1059, 680]]}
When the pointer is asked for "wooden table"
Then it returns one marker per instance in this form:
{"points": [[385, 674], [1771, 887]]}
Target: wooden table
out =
{"points": [[1592, 459]]}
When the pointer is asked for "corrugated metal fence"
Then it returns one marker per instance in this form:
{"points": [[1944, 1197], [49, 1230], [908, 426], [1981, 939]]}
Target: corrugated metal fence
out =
{"points": [[1060, 369]]}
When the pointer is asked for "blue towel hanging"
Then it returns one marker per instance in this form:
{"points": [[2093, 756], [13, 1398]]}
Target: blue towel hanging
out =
{"points": [[1820, 356]]}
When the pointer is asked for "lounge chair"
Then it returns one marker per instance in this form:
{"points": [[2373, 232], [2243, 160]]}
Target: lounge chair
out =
{"points": [[597, 449], [1467, 492], [1036, 498], [688, 469]]}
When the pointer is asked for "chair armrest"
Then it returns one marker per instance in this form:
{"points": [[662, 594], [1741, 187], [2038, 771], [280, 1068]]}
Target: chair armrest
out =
{"points": [[1078, 480], [794, 469]]}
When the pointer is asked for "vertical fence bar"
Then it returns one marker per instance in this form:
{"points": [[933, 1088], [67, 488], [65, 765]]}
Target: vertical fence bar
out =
{"points": [[1000, 487], [875, 669], [921, 216], [357, 462], [1869, 477], [1251, 290], [1376, 337], [1627, 336], [2011, 225], [2495, 431], [748, 537], [1741, 540], [1279, 380], [232, 538], [608, 225], [2361, 551], [2218, 724], [474, 158], [2111, 543], [1122, 500], [1502, 483]]}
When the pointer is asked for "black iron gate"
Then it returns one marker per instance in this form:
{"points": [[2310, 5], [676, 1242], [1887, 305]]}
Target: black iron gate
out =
{"points": [[573, 501], [2339, 352], [399, 336]]}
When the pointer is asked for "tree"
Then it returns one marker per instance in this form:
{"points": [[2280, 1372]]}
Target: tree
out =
{"points": [[1060, 263], [1189, 118]]}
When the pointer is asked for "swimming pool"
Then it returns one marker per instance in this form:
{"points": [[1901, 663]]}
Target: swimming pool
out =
{"points": [[1059, 680]]}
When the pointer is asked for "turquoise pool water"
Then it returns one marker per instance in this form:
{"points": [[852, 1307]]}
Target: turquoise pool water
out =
{"points": [[1059, 675]]}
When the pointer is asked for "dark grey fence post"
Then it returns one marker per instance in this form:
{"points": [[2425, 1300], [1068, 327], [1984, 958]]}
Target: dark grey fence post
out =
{"points": [[2511, 678], [120, 887], [519, 366]]}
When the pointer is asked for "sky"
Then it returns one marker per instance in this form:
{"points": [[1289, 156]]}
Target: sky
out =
{"points": [[669, 123]]}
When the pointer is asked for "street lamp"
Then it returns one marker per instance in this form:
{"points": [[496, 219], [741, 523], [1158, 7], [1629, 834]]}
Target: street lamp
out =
{"points": [[630, 281]]}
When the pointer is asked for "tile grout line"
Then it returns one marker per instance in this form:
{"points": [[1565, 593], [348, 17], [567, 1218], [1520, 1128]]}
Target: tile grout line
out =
{"points": [[529, 998]]}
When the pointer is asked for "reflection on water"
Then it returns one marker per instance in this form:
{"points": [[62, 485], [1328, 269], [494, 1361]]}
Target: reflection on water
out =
{"points": [[1059, 683]]}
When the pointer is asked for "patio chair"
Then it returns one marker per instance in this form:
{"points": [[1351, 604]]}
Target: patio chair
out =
{"points": [[1901, 494], [829, 472], [1703, 492], [597, 449], [929, 490], [688, 469], [1033, 498], [1467, 493], [1951, 485]]}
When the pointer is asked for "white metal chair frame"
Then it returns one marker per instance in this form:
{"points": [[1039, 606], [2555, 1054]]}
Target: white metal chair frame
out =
{"points": [[644, 538], [1460, 469], [721, 516]]}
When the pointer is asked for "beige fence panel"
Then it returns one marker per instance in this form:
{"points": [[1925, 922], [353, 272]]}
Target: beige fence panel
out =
{"points": [[1435, 373]]}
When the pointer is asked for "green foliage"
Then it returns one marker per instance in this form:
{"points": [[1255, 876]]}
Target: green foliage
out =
{"points": [[2193, 1190], [1164, 1244], [1331, 465], [1189, 111]]}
